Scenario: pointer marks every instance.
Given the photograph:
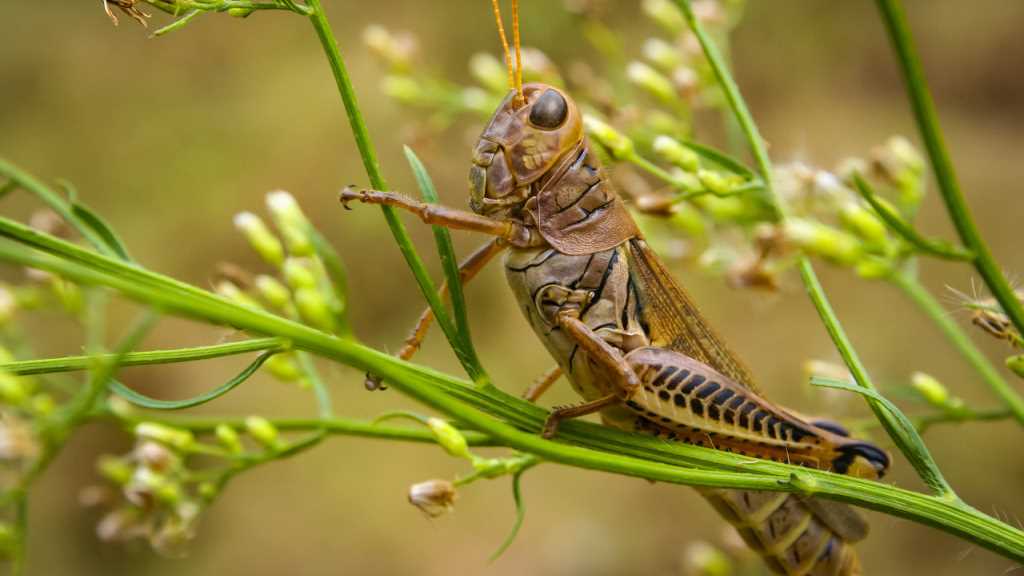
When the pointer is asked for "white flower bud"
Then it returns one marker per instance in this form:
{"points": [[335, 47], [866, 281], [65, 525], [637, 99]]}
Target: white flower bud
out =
{"points": [[260, 237]]}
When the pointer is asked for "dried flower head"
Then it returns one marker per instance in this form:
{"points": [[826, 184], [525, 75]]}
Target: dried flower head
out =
{"points": [[433, 497]]}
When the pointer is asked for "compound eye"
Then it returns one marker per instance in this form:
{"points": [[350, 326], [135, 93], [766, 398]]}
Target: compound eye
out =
{"points": [[549, 111]]}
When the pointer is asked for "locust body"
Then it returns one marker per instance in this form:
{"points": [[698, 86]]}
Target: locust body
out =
{"points": [[629, 340]]}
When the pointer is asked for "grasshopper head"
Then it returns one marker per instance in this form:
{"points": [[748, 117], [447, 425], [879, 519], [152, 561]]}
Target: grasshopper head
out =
{"points": [[520, 145]]}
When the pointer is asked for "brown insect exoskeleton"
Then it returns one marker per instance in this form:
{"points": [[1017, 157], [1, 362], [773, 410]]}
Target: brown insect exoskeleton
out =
{"points": [[627, 337]]}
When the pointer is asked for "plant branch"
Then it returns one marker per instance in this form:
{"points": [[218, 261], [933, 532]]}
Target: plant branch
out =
{"points": [[509, 421], [76, 363], [911, 447], [933, 247], [945, 175], [912, 287]]}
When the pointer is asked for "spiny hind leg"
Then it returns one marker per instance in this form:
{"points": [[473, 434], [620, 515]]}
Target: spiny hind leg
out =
{"points": [[468, 270], [605, 355], [515, 233]]}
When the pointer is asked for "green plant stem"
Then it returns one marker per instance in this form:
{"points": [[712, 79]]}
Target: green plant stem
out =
{"points": [[912, 287], [53, 201], [372, 166], [945, 175], [332, 425], [926, 421], [907, 440], [931, 246], [76, 363], [593, 447]]}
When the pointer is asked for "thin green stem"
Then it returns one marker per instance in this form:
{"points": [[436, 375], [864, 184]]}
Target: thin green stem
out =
{"points": [[911, 447], [76, 363], [945, 175], [53, 200], [933, 247], [372, 165], [332, 425], [912, 287], [593, 447]]}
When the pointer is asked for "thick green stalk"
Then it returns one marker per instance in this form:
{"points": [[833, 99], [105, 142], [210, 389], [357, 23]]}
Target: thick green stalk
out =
{"points": [[613, 451], [911, 447], [909, 283], [945, 175]]}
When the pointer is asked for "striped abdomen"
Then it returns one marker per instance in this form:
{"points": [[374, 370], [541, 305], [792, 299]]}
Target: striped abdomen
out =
{"points": [[795, 536], [698, 405]]}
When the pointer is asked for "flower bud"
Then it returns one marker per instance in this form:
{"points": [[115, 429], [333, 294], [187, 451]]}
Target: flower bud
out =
{"points": [[489, 72], [114, 468], [273, 292], [717, 182], [8, 304], [652, 81], [449, 438], [283, 367], [314, 309], [433, 497], [155, 456], [662, 54], [395, 49], [231, 291], [8, 540], [263, 432], [173, 437], [228, 438], [665, 14], [42, 405], [703, 559], [874, 269], [14, 391], [1016, 364], [120, 525], [617, 143], [207, 490], [673, 151], [817, 238], [260, 237], [292, 223], [240, 12], [297, 274], [864, 223], [477, 100], [929, 388], [402, 88]]}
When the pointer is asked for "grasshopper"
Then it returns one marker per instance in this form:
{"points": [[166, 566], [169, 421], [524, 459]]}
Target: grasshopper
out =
{"points": [[623, 332]]}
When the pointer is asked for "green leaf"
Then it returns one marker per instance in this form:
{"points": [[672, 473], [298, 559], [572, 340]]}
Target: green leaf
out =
{"points": [[462, 343], [720, 158], [918, 454], [520, 516], [156, 404], [103, 230]]}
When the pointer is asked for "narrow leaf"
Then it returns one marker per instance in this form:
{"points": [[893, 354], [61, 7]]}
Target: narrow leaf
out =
{"points": [[720, 158], [520, 516], [462, 343], [918, 453], [156, 404], [103, 230]]}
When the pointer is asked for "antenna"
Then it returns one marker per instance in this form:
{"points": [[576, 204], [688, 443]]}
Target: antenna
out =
{"points": [[515, 74]]}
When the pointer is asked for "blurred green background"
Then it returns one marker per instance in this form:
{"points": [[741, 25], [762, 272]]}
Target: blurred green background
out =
{"points": [[169, 138]]}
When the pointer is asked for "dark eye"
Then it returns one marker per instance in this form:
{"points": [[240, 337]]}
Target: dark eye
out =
{"points": [[549, 110]]}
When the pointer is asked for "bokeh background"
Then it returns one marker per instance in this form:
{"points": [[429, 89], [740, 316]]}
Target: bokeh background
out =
{"points": [[169, 138]]}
